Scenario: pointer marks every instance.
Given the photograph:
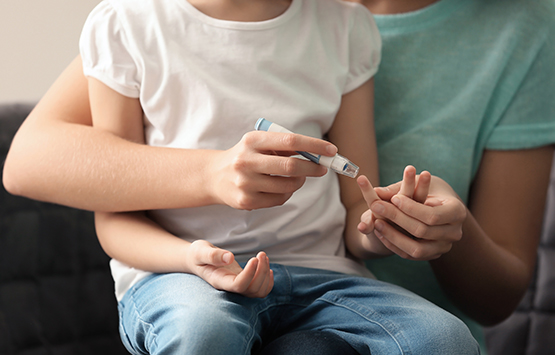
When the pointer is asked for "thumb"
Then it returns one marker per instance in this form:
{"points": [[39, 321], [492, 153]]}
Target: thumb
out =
{"points": [[208, 254]]}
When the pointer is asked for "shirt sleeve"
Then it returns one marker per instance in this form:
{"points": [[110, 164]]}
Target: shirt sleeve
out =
{"points": [[529, 119], [107, 52], [365, 47]]}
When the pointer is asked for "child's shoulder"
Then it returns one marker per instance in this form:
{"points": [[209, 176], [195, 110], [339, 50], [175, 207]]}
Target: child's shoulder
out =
{"points": [[137, 13], [138, 6]]}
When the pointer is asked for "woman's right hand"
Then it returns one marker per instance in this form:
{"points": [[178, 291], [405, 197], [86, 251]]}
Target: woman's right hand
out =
{"points": [[259, 172]]}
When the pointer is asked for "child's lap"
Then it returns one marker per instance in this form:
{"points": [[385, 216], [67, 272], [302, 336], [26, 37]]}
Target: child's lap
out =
{"points": [[167, 311]]}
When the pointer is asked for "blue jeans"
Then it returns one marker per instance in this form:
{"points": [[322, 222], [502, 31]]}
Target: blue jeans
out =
{"points": [[182, 314]]}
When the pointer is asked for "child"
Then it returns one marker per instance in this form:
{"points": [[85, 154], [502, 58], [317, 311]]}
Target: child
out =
{"points": [[196, 75]]}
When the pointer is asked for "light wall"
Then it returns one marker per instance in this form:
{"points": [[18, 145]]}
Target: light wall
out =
{"points": [[38, 39]]}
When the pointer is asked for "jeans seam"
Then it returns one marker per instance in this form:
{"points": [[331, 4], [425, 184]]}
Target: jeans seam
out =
{"points": [[279, 301], [123, 333], [149, 325], [338, 302]]}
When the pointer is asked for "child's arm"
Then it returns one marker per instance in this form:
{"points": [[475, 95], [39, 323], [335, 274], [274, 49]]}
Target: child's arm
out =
{"points": [[139, 242], [134, 239], [353, 133]]}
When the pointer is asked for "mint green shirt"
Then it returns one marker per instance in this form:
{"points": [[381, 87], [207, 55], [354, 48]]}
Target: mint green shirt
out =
{"points": [[456, 78]]}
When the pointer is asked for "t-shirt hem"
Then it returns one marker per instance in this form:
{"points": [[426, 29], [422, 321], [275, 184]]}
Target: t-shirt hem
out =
{"points": [[359, 80], [112, 84], [519, 137]]}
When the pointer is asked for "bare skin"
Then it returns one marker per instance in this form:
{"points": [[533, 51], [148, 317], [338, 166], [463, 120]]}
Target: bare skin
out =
{"points": [[257, 172], [56, 150]]}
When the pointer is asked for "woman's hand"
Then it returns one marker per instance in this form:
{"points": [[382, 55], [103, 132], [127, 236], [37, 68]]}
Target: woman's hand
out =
{"points": [[419, 218], [219, 268], [259, 172]]}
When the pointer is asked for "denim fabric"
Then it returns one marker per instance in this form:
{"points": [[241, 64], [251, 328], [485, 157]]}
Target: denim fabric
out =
{"points": [[308, 342], [182, 314]]}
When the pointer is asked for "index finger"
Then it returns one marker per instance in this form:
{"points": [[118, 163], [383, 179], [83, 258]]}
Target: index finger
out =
{"points": [[292, 142], [367, 190]]}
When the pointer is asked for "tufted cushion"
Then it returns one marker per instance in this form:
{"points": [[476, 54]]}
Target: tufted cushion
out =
{"points": [[56, 291], [531, 329]]}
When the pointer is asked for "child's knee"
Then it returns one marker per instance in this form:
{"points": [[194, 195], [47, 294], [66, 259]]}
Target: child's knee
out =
{"points": [[443, 333], [206, 329]]}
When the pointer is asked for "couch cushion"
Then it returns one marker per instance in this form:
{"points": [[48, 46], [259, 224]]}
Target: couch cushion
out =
{"points": [[56, 291]]}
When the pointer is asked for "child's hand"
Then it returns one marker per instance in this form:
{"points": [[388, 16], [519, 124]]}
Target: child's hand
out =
{"points": [[219, 268], [410, 188], [258, 172], [366, 225], [420, 217]]}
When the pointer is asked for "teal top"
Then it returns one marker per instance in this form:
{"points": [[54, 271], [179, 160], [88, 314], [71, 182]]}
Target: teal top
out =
{"points": [[456, 78]]}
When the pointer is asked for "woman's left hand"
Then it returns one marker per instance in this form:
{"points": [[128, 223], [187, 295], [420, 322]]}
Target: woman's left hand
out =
{"points": [[419, 225]]}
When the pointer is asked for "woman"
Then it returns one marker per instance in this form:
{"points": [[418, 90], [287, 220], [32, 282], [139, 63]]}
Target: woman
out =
{"points": [[463, 91]]}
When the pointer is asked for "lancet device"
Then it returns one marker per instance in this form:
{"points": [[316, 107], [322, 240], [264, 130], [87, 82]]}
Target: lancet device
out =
{"points": [[337, 163]]}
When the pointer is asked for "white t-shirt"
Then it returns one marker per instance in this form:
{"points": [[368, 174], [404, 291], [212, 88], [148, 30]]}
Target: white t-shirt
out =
{"points": [[204, 82]]}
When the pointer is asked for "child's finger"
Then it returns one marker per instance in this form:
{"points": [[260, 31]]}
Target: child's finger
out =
{"points": [[260, 277], [244, 279], [409, 181], [208, 254], [264, 278], [422, 187], [387, 192], [270, 284], [366, 225], [367, 190]]}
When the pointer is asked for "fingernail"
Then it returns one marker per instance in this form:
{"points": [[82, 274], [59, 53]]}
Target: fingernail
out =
{"points": [[378, 234], [378, 226], [395, 200], [226, 258], [331, 149], [378, 208], [362, 182]]}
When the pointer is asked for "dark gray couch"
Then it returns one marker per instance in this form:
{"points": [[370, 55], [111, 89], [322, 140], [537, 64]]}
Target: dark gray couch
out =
{"points": [[56, 292]]}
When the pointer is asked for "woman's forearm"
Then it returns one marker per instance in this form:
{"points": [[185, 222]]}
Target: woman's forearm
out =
{"points": [[83, 167], [57, 156], [488, 271], [482, 278]]}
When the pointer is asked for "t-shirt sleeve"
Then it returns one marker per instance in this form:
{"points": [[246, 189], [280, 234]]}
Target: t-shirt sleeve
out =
{"points": [[107, 52], [529, 119], [365, 45]]}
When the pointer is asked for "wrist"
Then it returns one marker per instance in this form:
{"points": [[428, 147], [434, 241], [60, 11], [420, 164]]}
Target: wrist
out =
{"points": [[212, 176], [198, 183]]}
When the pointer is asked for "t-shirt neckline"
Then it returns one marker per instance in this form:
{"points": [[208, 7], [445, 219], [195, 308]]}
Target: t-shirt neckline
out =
{"points": [[419, 19], [243, 25]]}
